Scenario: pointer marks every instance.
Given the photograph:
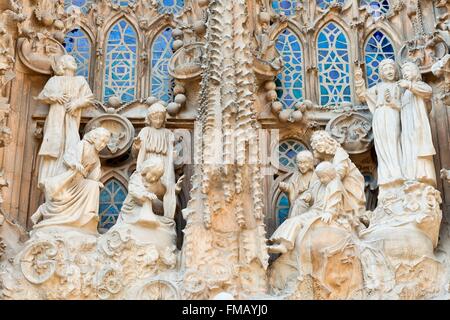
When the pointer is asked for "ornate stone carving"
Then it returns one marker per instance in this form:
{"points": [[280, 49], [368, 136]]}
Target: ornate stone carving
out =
{"points": [[353, 131], [122, 134]]}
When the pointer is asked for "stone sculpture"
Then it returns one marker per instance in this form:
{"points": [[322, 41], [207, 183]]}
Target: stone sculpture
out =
{"points": [[66, 94], [72, 197], [383, 100], [155, 140], [416, 139]]}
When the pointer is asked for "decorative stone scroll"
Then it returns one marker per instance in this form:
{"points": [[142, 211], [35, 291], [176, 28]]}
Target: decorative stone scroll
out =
{"points": [[186, 63], [353, 131], [122, 134], [39, 54]]}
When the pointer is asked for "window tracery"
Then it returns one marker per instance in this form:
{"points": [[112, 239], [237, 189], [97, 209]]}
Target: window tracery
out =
{"points": [[112, 197], [77, 44], [378, 48], [161, 52]]}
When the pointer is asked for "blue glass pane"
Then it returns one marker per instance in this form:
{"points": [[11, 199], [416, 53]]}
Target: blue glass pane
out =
{"points": [[377, 8], [111, 200], [378, 48], [161, 52], [282, 208], [123, 3], [287, 151], [78, 45], [333, 65], [324, 4], [120, 62], [287, 7], [290, 81], [82, 4], [170, 6]]}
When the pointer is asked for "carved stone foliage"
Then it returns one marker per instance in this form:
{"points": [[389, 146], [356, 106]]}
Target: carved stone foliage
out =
{"points": [[353, 131], [122, 134]]}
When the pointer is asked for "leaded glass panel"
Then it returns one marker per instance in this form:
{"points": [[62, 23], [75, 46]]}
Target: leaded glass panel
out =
{"points": [[161, 52], [78, 45], [112, 197], [378, 48]]}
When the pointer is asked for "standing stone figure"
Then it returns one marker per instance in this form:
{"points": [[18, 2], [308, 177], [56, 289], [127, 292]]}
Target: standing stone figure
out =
{"points": [[72, 197], [383, 100], [416, 139], [155, 140], [66, 94]]}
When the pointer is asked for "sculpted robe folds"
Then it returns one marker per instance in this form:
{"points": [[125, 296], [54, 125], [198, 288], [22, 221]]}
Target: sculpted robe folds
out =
{"points": [[72, 198], [386, 131], [61, 128], [297, 185], [159, 143], [417, 142]]}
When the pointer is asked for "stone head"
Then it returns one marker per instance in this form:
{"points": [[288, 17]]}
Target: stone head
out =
{"points": [[388, 70], [152, 169], [64, 65], [326, 172], [99, 137], [323, 145], [305, 161], [156, 116], [411, 71]]}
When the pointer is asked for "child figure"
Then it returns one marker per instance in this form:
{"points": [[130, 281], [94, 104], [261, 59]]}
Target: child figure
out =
{"points": [[299, 183], [326, 194]]}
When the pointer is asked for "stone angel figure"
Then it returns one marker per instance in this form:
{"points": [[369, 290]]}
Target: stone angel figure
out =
{"points": [[72, 197], [156, 141], [383, 100], [416, 138], [67, 94]]}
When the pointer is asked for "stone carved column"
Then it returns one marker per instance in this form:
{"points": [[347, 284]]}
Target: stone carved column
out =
{"points": [[224, 248]]}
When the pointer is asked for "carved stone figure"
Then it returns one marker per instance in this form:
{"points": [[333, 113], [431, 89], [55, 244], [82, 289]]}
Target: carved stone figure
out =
{"points": [[383, 100], [66, 94], [155, 140], [325, 148], [321, 241], [72, 197], [416, 138]]}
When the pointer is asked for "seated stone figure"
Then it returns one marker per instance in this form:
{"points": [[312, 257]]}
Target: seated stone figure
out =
{"points": [[326, 197], [72, 197], [142, 211]]}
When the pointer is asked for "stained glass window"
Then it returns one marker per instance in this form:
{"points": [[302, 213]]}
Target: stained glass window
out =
{"points": [[290, 80], [160, 80], [82, 4], [285, 6], [333, 65], [323, 4], [170, 6], [112, 197], [377, 8], [123, 3], [120, 62], [378, 48], [78, 45], [282, 208], [287, 151]]}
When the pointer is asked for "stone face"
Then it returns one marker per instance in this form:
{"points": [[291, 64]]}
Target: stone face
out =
{"points": [[171, 165]]}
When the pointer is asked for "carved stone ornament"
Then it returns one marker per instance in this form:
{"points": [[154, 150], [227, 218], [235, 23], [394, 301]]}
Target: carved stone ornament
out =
{"points": [[424, 51], [353, 131], [39, 55], [122, 134], [186, 63]]}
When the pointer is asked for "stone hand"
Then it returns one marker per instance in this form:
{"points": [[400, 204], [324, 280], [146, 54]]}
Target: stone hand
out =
{"points": [[151, 196], [71, 107], [326, 217], [284, 186], [404, 83], [61, 100], [178, 185]]}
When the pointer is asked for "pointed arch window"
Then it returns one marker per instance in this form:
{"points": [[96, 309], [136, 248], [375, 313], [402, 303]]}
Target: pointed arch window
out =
{"points": [[290, 80], [378, 47], [287, 7], [78, 45], [324, 4], [112, 197], [120, 62], [82, 4], [287, 151], [377, 8], [282, 208], [170, 6], [333, 66], [161, 52]]}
